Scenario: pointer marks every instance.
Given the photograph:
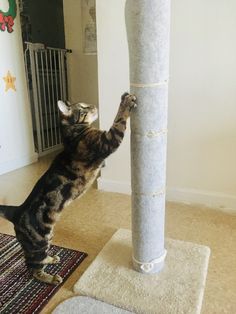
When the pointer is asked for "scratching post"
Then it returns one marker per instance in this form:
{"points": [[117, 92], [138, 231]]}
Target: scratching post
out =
{"points": [[148, 23], [111, 277]]}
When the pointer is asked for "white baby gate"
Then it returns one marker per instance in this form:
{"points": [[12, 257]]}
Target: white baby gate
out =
{"points": [[47, 83]]}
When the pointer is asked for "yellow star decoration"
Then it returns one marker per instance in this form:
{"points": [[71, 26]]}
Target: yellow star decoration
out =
{"points": [[10, 82]]}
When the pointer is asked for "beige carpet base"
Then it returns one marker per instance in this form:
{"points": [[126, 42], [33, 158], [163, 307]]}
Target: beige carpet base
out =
{"points": [[179, 288]]}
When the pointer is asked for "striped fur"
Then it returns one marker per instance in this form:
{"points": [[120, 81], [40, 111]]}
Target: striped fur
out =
{"points": [[69, 176]]}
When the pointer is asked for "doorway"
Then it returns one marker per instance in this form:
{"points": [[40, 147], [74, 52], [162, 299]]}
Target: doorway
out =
{"points": [[46, 68]]}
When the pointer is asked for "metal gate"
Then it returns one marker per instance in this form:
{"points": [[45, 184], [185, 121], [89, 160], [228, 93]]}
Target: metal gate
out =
{"points": [[47, 83]]}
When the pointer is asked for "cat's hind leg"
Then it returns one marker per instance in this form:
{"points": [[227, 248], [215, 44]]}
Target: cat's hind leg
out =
{"points": [[36, 258], [55, 259], [43, 276], [37, 263]]}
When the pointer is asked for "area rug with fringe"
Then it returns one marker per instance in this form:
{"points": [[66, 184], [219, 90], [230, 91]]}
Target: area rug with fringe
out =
{"points": [[19, 292]]}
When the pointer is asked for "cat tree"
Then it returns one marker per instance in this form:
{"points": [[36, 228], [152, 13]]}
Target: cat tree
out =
{"points": [[179, 286]]}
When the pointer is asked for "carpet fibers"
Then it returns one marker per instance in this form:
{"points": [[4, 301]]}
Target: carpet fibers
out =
{"points": [[19, 292]]}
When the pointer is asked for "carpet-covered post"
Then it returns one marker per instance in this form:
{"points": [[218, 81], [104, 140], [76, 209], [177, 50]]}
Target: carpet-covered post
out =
{"points": [[148, 24]]}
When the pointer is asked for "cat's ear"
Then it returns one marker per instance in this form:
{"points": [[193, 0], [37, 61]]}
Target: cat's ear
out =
{"points": [[65, 110]]}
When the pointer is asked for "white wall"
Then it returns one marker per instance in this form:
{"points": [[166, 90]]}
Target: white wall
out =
{"points": [[16, 140], [82, 69], [201, 164], [113, 71], [202, 115]]}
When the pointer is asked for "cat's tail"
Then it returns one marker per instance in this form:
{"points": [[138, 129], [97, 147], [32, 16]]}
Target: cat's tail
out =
{"points": [[8, 212]]}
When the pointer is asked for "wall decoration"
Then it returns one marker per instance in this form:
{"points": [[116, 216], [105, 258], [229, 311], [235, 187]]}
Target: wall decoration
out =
{"points": [[89, 26], [10, 82], [7, 18]]}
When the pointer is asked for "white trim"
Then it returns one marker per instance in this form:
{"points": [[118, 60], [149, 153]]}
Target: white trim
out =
{"points": [[20, 162], [114, 186], [224, 202]]}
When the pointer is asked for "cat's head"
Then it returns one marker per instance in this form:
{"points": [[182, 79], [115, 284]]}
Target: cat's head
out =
{"points": [[79, 113]]}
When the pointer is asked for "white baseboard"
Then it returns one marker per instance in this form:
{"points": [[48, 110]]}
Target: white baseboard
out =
{"points": [[207, 198], [190, 196], [114, 186], [17, 163]]}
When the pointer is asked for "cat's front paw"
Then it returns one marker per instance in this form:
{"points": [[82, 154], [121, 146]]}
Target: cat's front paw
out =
{"points": [[128, 101]]}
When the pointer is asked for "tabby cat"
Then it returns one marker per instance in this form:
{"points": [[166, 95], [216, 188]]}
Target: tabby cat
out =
{"points": [[68, 177]]}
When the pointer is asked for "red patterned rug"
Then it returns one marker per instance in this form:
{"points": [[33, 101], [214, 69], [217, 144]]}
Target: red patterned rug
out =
{"points": [[19, 292]]}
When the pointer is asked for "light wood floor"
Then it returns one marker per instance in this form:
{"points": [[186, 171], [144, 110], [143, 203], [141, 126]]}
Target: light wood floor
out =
{"points": [[87, 224]]}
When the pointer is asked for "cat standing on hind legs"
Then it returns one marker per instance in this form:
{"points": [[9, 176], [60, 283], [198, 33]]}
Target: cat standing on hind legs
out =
{"points": [[69, 176]]}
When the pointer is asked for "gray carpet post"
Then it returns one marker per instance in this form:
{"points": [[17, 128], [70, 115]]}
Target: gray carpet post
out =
{"points": [[148, 24]]}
